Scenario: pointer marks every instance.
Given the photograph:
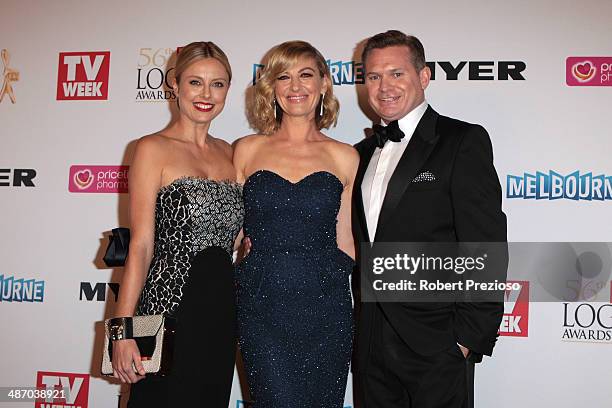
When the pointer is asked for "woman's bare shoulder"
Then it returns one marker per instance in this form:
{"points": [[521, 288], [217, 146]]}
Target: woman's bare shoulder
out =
{"points": [[248, 144], [342, 152]]}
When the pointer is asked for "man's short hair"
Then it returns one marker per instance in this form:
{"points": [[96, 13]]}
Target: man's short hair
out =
{"points": [[394, 38]]}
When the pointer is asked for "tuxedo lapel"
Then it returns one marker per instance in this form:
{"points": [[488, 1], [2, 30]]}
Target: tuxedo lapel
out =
{"points": [[366, 151], [418, 150]]}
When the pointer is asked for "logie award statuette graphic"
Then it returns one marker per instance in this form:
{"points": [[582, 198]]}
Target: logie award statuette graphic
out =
{"points": [[9, 76]]}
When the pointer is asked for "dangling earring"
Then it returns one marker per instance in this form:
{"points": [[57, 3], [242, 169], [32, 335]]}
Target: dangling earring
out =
{"points": [[278, 112], [322, 100]]}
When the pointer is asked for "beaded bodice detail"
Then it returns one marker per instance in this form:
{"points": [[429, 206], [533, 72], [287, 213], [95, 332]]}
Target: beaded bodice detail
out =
{"points": [[292, 216], [191, 214]]}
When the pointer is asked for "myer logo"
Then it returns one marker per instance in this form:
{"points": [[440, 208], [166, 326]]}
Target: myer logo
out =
{"points": [[83, 75], [17, 177], [554, 186], [76, 384], [515, 321], [98, 291], [478, 70]]}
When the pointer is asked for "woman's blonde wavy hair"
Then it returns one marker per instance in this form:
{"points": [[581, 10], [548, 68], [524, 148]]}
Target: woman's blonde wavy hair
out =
{"points": [[280, 59]]}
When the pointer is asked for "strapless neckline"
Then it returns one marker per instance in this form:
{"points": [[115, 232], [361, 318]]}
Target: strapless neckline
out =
{"points": [[200, 179], [306, 177]]}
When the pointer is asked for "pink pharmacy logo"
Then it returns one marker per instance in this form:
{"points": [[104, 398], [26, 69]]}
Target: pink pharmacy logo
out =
{"points": [[588, 71], [98, 179]]}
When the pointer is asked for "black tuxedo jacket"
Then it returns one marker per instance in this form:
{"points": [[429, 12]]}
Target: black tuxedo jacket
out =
{"points": [[462, 204]]}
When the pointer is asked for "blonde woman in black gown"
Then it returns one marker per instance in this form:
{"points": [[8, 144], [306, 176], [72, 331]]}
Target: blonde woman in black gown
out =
{"points": [[185, 212]]}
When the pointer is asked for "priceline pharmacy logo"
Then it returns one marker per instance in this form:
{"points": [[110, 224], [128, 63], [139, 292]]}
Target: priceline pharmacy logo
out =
{"points": [[98, 179], [588, 71], [555, 186]]}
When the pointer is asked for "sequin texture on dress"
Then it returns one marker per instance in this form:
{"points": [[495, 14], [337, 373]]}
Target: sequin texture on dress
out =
{"points": [[294, 305]]}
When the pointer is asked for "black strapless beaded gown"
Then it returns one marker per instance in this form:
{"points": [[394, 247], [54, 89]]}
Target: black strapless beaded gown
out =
{"points": [[191, 279], [294, 305]]}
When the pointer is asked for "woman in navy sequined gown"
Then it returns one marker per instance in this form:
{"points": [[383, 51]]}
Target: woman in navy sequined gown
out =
{"points": [[294, 305]]}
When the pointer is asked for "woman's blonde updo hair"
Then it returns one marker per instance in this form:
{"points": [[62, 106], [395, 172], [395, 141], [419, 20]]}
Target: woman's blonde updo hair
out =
{"points": [[200, 50], [280, 59]]}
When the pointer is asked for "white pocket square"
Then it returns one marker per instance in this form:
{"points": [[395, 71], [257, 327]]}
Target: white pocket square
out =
{"points": [[425, 176]]}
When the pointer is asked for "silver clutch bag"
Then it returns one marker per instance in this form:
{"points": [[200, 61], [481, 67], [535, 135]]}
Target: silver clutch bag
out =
{"points": [[154, 336]]}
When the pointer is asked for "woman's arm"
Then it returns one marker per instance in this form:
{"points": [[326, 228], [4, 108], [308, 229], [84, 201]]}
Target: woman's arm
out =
{"points": [[242, 151], [348, 160], [145, 181]]}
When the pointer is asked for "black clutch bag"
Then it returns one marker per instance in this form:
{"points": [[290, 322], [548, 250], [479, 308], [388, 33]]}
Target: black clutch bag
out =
{"points": [[117, 250]]}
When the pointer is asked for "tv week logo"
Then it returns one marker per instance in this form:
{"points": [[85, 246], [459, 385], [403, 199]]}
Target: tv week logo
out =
{"points": [[77, 386], [83, 75], [515, 322]]}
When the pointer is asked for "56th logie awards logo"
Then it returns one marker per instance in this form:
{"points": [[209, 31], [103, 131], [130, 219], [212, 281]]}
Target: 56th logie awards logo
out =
{"points": [[9, 75], [155, 74]]}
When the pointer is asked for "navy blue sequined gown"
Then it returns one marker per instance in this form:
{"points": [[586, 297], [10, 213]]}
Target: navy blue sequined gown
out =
{"points": [[294, 305]]}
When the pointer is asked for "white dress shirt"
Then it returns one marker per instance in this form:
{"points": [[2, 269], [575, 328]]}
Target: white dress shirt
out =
{"points": [[381, 168]]}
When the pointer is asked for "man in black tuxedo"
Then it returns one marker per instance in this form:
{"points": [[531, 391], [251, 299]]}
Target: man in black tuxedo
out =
{"points": [[423, 177]]}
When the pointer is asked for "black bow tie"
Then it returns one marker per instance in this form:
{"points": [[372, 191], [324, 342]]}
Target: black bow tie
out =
{"points": [[390, 132]]}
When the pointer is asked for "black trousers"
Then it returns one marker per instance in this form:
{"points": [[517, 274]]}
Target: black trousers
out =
{"points": [[397, 377]]}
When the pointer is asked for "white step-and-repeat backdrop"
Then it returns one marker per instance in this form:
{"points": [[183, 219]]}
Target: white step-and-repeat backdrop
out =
{"points": [[81, 80]]}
